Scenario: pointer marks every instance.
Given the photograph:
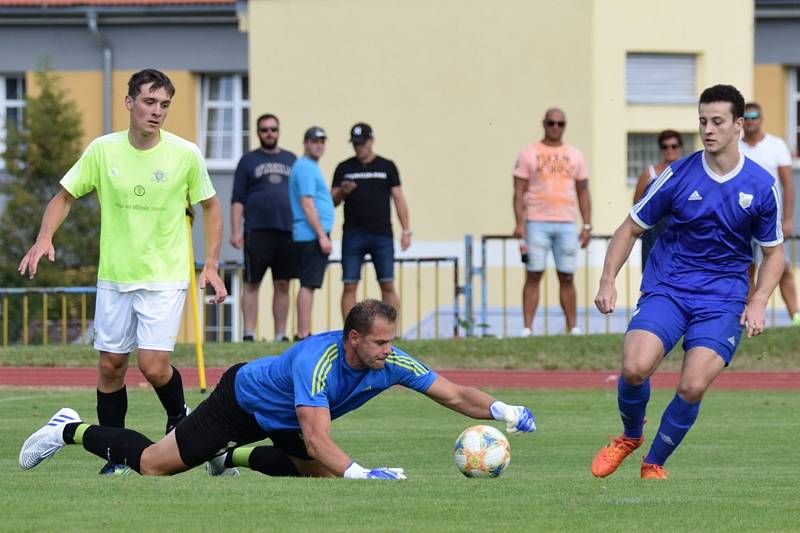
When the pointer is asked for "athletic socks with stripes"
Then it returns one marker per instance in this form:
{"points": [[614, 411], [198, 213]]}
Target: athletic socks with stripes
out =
{"points": [[678, 418], [116, 445], [268, 460], [632, 401]]}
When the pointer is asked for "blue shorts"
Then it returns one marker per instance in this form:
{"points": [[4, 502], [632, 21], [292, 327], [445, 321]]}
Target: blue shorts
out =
{"points": [[560, 237], [713, 325], [356, 244]]}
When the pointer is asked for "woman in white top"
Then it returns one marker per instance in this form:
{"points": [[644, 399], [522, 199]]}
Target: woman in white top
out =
{"points": [[671, 144]]}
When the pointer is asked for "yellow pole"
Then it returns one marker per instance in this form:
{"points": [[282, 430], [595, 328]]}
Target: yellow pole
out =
{"points": [[44, 318], [198, 333], [400, 299], [83, 318], [419, 300], [328, 297], [505, 290], [436, 303], [25, 319], [63, 319], [5, 320], [586, 290]]}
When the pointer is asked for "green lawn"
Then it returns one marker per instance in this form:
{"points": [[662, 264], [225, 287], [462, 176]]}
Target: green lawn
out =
{"points": [[776, 349], [735, 471]]}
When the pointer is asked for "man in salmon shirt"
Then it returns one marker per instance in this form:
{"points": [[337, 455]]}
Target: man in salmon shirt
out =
{"points": [[550, 186]]}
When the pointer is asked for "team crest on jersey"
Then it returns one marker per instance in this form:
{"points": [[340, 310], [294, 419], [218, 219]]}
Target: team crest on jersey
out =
{"points": [[159, 176], [275, 178], [745, 200]]}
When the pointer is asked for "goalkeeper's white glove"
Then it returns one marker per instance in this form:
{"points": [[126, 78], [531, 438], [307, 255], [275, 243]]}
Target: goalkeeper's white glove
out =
{"points": [[518, 418], [356, 471]]}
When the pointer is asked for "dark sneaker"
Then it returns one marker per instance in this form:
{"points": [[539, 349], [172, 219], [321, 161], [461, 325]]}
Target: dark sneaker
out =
{"points": [[110, 469]]}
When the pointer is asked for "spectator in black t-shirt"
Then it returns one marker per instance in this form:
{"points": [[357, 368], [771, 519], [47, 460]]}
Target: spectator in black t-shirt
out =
{"points": [[365, 183], [261, 195]]}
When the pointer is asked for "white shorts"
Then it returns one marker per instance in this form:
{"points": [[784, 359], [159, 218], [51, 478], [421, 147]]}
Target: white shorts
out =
{"points": [[144, 318]]}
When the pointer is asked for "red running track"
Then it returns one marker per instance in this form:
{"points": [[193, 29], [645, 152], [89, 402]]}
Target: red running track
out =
{"points": [[505, 379]]}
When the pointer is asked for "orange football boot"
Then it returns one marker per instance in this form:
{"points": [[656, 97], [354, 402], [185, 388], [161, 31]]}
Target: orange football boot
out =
{"points": [[651, 471], [611, 456]]}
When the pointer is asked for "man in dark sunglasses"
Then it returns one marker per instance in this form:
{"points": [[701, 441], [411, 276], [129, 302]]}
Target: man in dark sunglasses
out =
{"points": [[261, 196], [550, 186], [773, 155]]}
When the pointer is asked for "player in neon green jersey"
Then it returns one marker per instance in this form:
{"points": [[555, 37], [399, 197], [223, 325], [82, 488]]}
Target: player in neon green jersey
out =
{"points": [[144, 177]]}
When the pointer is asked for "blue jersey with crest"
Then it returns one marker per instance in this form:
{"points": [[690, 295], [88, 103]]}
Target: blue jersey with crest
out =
{"points": [[706, 249], [314, 373]]}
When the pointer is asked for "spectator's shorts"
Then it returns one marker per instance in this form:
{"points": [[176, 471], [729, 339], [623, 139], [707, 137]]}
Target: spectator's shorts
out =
{"points": [[560, 237], [311, 264], [219, 423], [710, 324], [356, 244], [149, 319], [269, 248]]}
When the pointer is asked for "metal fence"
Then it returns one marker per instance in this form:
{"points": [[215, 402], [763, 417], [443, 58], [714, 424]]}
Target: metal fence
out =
{"points": [[427, 288], [500, 273]]}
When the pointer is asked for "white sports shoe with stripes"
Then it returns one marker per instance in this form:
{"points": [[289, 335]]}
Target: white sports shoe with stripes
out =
{"points": [[47, 440]]}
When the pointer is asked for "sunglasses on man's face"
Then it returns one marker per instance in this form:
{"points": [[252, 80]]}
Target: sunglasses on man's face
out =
{"points": [[752, 115], [554, 123], [268, 130], [673, 146]]}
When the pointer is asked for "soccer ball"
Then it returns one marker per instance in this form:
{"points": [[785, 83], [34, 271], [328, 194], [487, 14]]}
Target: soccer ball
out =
{"points": [[482, 451]]}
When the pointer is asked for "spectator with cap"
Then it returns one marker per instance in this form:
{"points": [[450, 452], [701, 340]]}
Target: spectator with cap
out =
{"points": [[365, 183], [312, 221]]}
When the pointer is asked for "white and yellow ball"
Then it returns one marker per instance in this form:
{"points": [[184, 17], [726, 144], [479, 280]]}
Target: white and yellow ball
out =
{"points": [[482, 451]]}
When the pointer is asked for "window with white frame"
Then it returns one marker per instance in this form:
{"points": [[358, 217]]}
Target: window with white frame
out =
{"points": [[224, 118], [660, 78], [643, 150], [12, 106], [793, 124]]}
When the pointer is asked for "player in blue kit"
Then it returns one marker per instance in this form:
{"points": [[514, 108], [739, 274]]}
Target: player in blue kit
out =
{"points": [[695, 283], [290, 399]]}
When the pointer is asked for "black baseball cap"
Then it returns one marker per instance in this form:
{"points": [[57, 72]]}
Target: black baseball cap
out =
{"points": [[313, 133], [360, 133]]}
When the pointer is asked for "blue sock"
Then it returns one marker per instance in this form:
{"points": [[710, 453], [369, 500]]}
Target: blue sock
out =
{"points": [[675, 424], [632, 401]]}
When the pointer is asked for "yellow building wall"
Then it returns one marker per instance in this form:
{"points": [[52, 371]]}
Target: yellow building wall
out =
{"points": [[770, 92], [454, 89], [622, 26]]}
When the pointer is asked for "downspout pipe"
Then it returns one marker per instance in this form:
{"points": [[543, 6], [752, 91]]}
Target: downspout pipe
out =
{"points": [[102, 40]]}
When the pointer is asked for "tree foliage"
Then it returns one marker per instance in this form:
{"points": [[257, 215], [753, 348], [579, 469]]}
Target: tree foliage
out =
{"points": [[37, 156]]}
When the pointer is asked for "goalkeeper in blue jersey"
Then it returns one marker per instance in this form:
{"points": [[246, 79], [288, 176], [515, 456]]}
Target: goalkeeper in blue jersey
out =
{"points": [[290, 399], [695, 283]]}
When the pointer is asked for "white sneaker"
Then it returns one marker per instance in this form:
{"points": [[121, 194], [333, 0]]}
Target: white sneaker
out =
{"points": [[216, 467], [576, 331], [526, 332], [47, 440]]}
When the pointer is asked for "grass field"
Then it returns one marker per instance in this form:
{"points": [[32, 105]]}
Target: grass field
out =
{"points": [[776, 349], [736, 471]]}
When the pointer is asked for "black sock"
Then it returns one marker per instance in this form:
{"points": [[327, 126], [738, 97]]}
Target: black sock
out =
{"points": [[269, 460], [116, 445], [171, 396], [69, 432], [111, 408]]}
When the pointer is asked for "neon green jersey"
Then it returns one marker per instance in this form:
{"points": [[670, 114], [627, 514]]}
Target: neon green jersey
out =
{"points": [[143, 196]]}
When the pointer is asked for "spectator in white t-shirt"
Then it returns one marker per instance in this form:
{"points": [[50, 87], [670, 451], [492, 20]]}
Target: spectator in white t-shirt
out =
{"points": [[771, 153]]}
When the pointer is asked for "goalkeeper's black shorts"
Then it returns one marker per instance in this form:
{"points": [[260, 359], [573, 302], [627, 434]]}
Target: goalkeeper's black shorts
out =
{"points": [[219, 423]]}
